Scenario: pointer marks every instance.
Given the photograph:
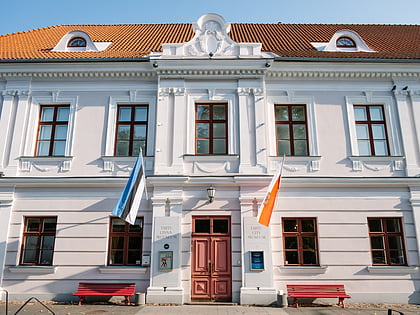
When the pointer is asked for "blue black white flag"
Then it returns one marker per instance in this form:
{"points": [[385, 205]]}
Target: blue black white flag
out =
{"points": [[129, 202]]}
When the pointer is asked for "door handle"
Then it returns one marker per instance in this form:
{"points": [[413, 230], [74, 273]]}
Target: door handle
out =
{"points": [[212, 268]]}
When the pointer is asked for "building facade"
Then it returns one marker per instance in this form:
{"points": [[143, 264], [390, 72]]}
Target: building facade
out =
{"points": [[215, 106]]}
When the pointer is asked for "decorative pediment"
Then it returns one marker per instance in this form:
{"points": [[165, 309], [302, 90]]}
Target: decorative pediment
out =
{"points": [[211, 39]]}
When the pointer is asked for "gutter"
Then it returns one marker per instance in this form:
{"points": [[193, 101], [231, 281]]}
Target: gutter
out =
{"points": [[41, 60], [330, 59]]}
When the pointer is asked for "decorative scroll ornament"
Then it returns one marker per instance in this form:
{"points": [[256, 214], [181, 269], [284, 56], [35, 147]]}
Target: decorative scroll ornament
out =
{"points": [[211, 40]]}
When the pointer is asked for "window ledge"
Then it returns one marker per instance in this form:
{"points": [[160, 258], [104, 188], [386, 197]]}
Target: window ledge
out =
{"points": [[297, 163], [113, 163], [33, 269], [304, 269], [360, 162], [122, 270], [63, 163], [392, 269]]}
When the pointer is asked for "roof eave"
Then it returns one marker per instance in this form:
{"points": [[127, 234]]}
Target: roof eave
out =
{"points": [[330, 59]]}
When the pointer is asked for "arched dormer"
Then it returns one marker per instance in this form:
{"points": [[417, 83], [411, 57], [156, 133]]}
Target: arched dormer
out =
{"points": [[344, 41], [78, 41]]}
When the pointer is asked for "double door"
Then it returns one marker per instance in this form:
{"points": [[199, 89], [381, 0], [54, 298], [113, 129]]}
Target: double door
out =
{"points": [[211, 269]]}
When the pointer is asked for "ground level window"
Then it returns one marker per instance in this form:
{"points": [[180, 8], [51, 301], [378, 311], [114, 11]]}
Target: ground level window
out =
{"points": [[300, 242], [38, 241], [386, 241], [125, 242]]}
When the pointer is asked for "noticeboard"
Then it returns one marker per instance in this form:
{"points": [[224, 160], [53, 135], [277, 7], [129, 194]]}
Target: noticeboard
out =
{"points": [[257, 260], [165, 260]]}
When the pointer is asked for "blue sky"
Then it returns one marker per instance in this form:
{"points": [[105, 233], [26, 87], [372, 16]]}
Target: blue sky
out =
{"points": [[21, 15]]}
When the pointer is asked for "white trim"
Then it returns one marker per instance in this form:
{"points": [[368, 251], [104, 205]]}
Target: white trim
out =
{"points": [[62, 163], [53, 100], [134, 97], [213, 96], [303, 269], [291, 99], [390, 113]]}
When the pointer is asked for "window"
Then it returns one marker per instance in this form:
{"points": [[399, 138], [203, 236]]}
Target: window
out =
{"points": [[371, 131], [211, 129], [291, 130], [77, 42], [300, 241], [345, 42], [125, 242], [131, 130], [386, 241], [52, 130], [38, 241]]}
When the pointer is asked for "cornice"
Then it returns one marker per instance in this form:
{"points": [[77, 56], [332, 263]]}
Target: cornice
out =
{"points": [[343, 74], [79, 74]]}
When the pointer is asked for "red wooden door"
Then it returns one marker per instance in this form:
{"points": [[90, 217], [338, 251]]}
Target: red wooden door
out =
{"points": [[211, 270]]}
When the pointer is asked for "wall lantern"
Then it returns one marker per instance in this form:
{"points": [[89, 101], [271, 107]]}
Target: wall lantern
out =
{"points": [[211, 192]]}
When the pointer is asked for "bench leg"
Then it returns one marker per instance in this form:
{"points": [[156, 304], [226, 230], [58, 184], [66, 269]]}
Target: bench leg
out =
{"points": [[127, 300], [341, 302], [295, 302], [80, 300]]}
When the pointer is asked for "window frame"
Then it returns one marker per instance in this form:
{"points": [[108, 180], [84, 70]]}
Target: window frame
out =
{"points": [[385, 234], [40, 234], [132, 124], [54, 123], [74, 39], [353, 45], [299, 234], [211, 123], [126, 234], [369, 122], [290, 122]]}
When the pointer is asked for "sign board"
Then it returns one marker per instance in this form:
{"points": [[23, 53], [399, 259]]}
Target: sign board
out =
{"points": [[166, 260], [257, 260]]}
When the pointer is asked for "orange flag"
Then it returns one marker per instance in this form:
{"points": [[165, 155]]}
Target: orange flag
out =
{"points": [[266, 208]]}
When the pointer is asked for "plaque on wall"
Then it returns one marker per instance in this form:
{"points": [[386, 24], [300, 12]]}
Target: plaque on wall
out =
{"points": [[257, 260], [165, 260]]}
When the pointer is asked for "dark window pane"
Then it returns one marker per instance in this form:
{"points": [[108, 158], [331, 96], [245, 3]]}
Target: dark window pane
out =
{"points": [[118, 225], [298, 113], [392, 225], [377, 242], [124, 114], [283, 131], [291, 242], [29, 257], [220, 226], [202, 146], [203, 130], [133, 258], [46, 257], [219, 130], [219, 146], [202, 226], [282, 113], [300, 147], [397, 257], [124, 132], [299, 131], [308, 242], [117, 242], [122, 148], [378, 257], [47, 242], [117, 258], [50, 225], [292, 258], [203, 112], [375, 225], [289, 226], [137, 226], [31, 242], [140, 132], [308, 226], [134, 242], [283, 147], [32, 225], [219, 112], [395, 242], [309, 258], [140, 114]]}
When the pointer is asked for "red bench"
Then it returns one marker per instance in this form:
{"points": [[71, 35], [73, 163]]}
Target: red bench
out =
{"points": [[108, 289], [317, 291]]}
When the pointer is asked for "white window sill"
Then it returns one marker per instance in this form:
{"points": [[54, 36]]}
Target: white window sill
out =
{"points": [[392, 269], [45, 163], [296, 163], [210, 158], [304, 269], [33, 269], [122, 270], [382, 162]]}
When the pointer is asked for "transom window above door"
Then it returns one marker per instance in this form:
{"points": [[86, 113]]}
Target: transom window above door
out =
{"points": [[211, 129], [131, 131]]}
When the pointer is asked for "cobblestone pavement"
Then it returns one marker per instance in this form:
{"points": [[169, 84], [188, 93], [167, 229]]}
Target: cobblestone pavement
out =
{"points": [[117, 309]]}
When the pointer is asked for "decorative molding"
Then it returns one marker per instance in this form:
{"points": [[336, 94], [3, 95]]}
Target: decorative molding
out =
{"points": [[80, 74], [61, 163], [33, 269], [342, 74], [307, 163], [122, 270], [211, 40], [395, 163], [124, 163]]}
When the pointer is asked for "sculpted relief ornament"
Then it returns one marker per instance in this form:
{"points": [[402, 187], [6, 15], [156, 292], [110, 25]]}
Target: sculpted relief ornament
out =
{"points": [[211, 39]]}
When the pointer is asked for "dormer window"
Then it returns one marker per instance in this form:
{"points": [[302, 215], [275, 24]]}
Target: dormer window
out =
{"points": [[77, 42], [345, 42]]}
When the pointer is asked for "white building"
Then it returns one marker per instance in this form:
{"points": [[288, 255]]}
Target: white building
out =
{"points": [[216, 105]]}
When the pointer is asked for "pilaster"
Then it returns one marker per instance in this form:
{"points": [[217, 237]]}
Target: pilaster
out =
{"points": [[6, 202], [415, 204], [6, 127]]}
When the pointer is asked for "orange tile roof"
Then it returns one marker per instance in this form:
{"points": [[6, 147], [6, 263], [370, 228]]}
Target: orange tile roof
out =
{"points": [[286, 40]]}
